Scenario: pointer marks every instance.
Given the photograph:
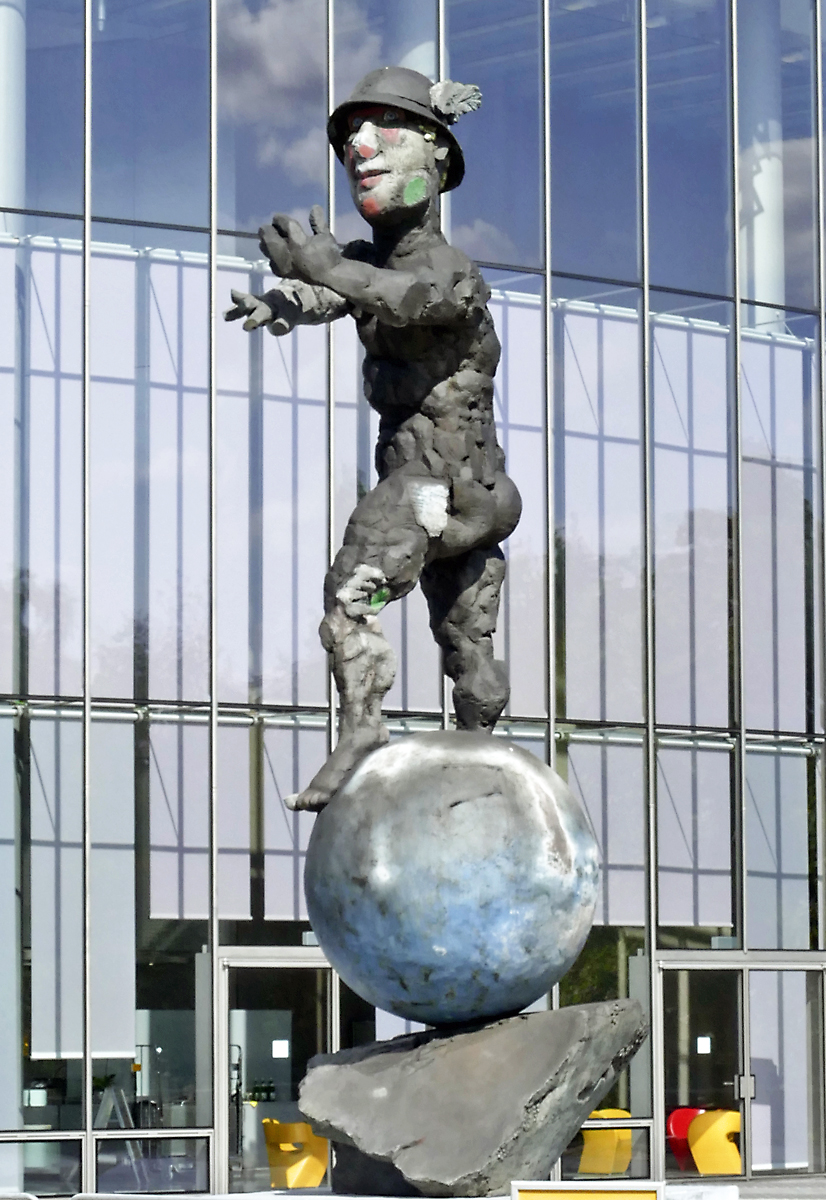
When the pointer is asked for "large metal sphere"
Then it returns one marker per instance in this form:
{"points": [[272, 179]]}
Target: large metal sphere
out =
{"points": [[453, 877]]}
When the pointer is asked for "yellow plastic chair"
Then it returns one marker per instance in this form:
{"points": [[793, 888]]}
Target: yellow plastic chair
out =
{"points": [[711, 1142], [297, 1156], [606, 1151]]}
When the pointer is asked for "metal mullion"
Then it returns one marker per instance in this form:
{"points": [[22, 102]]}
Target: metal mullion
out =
{"points": [[548, 382], [152, 1135], [739, 703], [87, 1155], [821, 580], [218, 1146], [332, 696], [657, 1148], [442, 69], [550, 479]]}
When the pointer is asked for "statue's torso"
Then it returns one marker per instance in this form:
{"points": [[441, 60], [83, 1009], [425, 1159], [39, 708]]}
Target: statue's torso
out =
{"points": [[432, 386]]}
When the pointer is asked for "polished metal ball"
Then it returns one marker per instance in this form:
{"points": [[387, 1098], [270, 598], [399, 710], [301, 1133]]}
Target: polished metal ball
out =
{"points": [[452, 878]]}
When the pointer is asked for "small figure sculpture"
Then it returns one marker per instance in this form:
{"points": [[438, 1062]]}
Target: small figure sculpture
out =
{"points": [[443, 503]]}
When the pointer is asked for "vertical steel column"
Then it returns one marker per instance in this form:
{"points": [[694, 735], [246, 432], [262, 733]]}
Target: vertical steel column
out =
{"points": [[442, 71], [548, 382], [218, 1166], [737, 597], [332, 698], [88, 1161], [821, 578], [657, 1147]]}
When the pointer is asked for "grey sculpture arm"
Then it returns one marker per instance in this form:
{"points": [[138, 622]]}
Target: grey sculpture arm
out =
{"points": [[441, 290], [292, 303]]}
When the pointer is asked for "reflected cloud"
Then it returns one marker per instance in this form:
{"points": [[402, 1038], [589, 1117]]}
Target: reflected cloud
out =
{"points": [[272, 69], [482, 240]]}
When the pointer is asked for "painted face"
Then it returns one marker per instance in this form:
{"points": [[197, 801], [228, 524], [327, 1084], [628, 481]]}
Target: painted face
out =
{"points": [[392, 164]]}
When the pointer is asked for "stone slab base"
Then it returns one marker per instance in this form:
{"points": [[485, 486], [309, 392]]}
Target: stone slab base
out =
{"points": [[463, 1113]]}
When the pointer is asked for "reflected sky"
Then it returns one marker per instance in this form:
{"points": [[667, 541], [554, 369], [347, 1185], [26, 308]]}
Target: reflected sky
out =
{"points": [[54, 130], [150, 111], [594, 157], [496, 214], [689, 145]]}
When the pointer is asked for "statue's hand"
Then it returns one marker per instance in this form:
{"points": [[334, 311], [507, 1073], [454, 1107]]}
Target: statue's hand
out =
{"points": [[255, 308], [308, 258], [274, 310]]}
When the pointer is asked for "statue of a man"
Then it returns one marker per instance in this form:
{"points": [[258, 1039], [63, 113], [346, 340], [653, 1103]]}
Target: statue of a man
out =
{"points": [[443, 502]]}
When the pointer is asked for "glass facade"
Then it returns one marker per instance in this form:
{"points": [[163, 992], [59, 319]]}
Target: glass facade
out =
{"points": [[645, 195]]}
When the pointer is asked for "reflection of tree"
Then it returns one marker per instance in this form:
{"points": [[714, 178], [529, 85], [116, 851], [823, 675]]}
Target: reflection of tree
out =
{"points": [[50, 617]]}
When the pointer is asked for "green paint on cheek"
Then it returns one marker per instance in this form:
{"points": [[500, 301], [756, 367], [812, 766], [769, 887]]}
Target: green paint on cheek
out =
{"points": [[415, 191], [379, 598]]}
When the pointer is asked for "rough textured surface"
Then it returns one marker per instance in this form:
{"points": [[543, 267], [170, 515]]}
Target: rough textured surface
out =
{"points": [[465, 1114], [452, 878], [443, 502]]}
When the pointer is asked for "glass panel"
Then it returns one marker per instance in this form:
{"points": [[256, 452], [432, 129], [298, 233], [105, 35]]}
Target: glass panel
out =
{"points": [[786, 1031], [519, 408], [369, 34], [689, 145], [151, 982], [598, 508], [235, 825], [272, 506], [290, 758], [781, 510], [613, 1153], [149, 465], [691, 353], [777, 178], [40, 1168], [42, 143], [782, 802], [278, 1019], [160, 1165], [608, 778], [112, 897], [150, 114], [703, 1058], [496, 214], [272, 143], [41, 924], [51, 800], [696, 838], [594, 138], [40, 463]]}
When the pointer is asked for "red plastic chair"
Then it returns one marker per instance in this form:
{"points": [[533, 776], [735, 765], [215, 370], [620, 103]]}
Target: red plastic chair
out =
{"points": [[676, 1129]]}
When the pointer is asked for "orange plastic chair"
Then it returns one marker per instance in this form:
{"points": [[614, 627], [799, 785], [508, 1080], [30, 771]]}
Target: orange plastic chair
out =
{"points": [[297, 1156], [606, 1151], [711, 1141]]}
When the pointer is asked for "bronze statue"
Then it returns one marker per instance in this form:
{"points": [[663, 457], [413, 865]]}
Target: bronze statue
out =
{"points": [[443, 503]]}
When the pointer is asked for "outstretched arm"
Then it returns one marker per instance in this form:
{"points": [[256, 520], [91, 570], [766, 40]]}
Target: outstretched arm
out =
{"points": [[292, 303], [443, 291]]}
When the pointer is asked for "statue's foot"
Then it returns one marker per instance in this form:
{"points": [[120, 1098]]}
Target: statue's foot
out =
{"points": [[350, 749]]}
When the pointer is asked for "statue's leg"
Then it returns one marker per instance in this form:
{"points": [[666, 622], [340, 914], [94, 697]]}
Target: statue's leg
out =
{"points": [[381, 560], [463, 598]]}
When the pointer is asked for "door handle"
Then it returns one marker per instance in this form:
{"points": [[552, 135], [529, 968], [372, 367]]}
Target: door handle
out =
{"points": [[744, 1086]]}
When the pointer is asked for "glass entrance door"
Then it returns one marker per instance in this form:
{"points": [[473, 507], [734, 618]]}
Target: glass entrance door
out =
{"points": [[785, 1044], [704, 1086], [278, 1018]]}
